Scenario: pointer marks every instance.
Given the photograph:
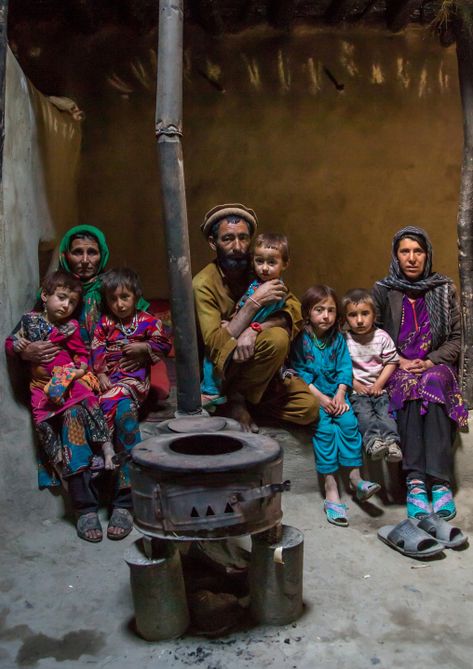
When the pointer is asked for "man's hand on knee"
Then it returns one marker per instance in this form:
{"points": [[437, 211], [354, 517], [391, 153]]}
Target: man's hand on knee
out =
{"points": [[245, 348]]}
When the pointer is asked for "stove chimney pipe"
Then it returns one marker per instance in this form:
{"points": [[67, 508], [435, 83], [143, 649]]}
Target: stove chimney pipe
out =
{"points": [[168, 134]]}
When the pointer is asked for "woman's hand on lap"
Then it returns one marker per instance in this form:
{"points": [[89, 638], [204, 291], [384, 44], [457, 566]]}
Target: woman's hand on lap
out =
{"points": [[420, 366], [104, 382], [136, 350], [39, 352], [135, 356]]}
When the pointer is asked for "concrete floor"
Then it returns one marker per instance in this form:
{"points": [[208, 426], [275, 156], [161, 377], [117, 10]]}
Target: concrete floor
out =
{"points": [[67, 603]]}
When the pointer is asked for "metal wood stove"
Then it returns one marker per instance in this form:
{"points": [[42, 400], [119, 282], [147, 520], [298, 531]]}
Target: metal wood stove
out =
{"points": [[207, 485]]}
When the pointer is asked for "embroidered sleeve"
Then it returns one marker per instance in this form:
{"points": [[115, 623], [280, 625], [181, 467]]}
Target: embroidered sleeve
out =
{"points": [[157, 337]]}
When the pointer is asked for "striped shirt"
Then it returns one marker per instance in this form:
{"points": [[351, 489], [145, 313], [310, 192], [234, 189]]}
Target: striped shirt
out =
{"points": [[370, 353]]}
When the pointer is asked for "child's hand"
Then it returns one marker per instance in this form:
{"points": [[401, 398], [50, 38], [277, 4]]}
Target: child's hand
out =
{"points": [[360, 388], [326, 403], [20, 344], [376, 389], [79, 373], [270, 292], [104, 382], [339, 403]]}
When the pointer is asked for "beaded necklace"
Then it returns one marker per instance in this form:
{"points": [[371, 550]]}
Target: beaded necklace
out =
{"points": [[129, 330], [320, 343]]}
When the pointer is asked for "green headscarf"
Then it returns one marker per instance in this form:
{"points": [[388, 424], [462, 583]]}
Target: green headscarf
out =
{"points": [[91, 289], [65, 245]]}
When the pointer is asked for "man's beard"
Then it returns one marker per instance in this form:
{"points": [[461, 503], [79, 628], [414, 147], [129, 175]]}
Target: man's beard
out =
{"points": [[233, 264]]}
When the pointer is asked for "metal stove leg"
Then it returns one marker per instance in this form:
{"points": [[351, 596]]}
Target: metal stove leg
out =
{"points": [[276, 575], [157, 586]]}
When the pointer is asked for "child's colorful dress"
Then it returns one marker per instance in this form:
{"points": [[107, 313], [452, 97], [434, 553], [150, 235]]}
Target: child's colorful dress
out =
{"points": [[120, 404], [68, 430], [326, 364]]}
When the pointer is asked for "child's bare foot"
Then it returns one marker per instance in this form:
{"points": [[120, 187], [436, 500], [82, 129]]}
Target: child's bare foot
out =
{"points": [[108, 455], [212, 400], [331, 489], [335, 511], [89, 528], [236, 409]]}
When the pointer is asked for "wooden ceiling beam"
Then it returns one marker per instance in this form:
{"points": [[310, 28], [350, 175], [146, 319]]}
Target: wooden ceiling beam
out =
{"points": [[447, 35], [281, 14], [398, 13], [209, 16], [339, 10]]}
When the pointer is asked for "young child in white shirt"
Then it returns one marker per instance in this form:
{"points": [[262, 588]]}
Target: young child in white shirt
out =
{"points": [[374, 358]]}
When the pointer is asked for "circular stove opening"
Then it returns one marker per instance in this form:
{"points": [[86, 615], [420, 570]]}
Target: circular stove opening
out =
{"points": [[207, 444]]}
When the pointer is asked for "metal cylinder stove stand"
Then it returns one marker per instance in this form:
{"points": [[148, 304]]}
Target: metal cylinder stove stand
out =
{"points": [[276, 576], [158, 590]]}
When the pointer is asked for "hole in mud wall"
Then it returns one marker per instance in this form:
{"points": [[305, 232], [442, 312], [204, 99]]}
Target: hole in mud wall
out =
{"points": [[335, 138]]}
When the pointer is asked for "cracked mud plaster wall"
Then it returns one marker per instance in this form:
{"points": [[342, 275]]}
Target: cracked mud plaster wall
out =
{"points": [[338, 171], [36, 194]]}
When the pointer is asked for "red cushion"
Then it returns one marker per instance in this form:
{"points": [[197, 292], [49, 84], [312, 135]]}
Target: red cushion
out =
{"points": [[160, 380], [160, 309]]}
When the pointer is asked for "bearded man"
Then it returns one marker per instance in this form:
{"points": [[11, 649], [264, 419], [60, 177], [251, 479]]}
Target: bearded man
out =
{"points": [[247, 356]]}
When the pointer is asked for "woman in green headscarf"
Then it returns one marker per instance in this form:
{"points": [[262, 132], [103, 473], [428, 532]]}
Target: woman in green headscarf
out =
{"points": [[83, 252]]}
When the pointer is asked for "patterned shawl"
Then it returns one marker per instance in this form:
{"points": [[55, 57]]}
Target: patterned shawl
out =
{"points": [[435, 287]]}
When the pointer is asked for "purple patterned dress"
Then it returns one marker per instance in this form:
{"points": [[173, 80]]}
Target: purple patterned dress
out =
{"points": [[439, 383]]}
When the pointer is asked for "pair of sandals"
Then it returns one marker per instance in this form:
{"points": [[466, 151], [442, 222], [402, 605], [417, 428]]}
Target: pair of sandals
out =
{"points": [[422, 538], [88, 522], [419, 506], [337, 513]]}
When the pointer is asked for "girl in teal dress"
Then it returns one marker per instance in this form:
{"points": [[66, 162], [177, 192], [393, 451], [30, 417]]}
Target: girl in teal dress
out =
{"points": [[320, 357]]}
